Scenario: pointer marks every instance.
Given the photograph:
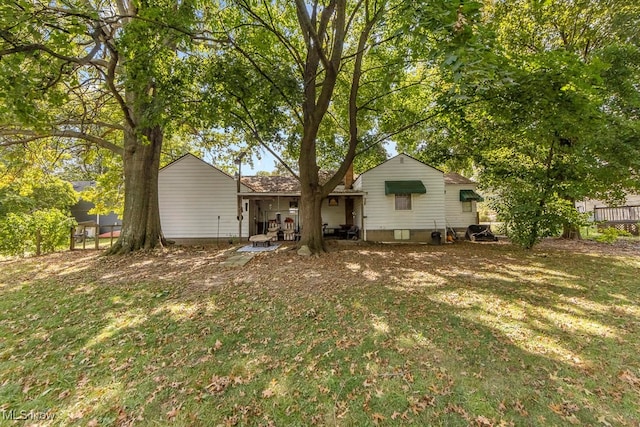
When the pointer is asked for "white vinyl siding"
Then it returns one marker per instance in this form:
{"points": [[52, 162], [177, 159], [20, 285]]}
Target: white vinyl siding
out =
{"points": [[427, 210], [333, 215], [588, 205], [192, 195], [456, 215]]}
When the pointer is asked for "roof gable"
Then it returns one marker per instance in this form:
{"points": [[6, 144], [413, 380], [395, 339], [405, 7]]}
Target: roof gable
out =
{"points": [[401, 155], [190, 156], [272, 184]]}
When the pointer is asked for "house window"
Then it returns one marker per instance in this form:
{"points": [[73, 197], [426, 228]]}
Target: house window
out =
{"points": [[467, 207], [403, 202]]}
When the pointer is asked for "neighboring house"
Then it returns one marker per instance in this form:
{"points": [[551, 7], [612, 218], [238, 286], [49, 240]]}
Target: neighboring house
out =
{"points": [[625, 216], [589, 205], [80, 212], [400, 199]]}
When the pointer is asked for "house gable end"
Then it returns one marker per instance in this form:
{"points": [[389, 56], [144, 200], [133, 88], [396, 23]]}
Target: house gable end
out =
{"points": [[402, 157], [190, 160]]}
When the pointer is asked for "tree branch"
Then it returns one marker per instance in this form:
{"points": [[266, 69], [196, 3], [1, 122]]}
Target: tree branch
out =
{"points": [[382, 95], [313, 40], [251, 125], [272, 28], [268, 78], [33, 136]]}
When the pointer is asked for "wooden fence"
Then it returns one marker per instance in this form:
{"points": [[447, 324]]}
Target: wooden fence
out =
{"points": [[79, 235]]}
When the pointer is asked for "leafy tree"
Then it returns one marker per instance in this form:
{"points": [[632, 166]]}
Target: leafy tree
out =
{"points": [[45, 229], [320, 82], [108, 74], [34, 208], [556, 121]]}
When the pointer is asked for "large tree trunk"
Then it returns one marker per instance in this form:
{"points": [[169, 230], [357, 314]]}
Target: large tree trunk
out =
{"points": [[311, 212], [570, 231], [311, 194], [141, 222]]}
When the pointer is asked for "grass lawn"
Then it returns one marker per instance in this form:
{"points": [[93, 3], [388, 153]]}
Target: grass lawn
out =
{"points": [[464, 334]]}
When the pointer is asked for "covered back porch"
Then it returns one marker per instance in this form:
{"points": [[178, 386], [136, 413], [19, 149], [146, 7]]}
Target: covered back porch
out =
{"points": [[281, 211]]}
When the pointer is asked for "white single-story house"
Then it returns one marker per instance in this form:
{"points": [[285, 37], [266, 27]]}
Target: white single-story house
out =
{"points": [[400, 199]]}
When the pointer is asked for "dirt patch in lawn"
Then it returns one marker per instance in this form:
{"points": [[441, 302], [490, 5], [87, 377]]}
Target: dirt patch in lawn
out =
{"points": [[620, 247], [195, 269]]}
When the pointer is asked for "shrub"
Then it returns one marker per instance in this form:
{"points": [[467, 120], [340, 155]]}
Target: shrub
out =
{"points": [[18, 231], [15, 231], [529, 216], [611, 234]]}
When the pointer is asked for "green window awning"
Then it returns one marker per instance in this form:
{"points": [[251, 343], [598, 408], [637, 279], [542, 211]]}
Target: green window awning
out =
{"points": [[468, 195], [404, 187]]}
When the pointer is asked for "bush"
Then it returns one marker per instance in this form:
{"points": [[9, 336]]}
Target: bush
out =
{"points": [[610, 235], [15, 231], [529, 216], [18, 232]]}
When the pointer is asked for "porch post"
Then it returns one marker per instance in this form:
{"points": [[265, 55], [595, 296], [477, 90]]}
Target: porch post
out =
{"points": [[239, 197]]}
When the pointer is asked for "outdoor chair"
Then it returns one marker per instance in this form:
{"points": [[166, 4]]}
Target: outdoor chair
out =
{"points": [[272, 231], [353, 233]]}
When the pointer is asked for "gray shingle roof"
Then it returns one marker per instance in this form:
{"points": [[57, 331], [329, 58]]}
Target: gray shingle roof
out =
{"points": [[456, 178], [289, 184], [281, 183]]}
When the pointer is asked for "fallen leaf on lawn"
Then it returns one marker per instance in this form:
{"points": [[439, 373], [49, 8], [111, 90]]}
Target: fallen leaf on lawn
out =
{"points": [[566, 409], [602, 420], [573, 419], [218, 384], [557, 408], [421, 404], [520, 408], [267, 393], [173, 413], [377, 417], [630, 378], [482, 421], [93, 423]]}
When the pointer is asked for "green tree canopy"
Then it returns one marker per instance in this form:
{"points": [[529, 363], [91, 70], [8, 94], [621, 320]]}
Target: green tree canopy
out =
{"points": [[557, 119], [318, 84], [116, 75]]}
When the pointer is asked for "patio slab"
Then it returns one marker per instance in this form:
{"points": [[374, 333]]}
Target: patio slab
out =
{"points": [[238, 260]]}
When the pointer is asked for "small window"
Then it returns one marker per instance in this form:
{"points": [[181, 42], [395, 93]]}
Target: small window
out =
{"points": [[467, 206], [403, 202]]}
